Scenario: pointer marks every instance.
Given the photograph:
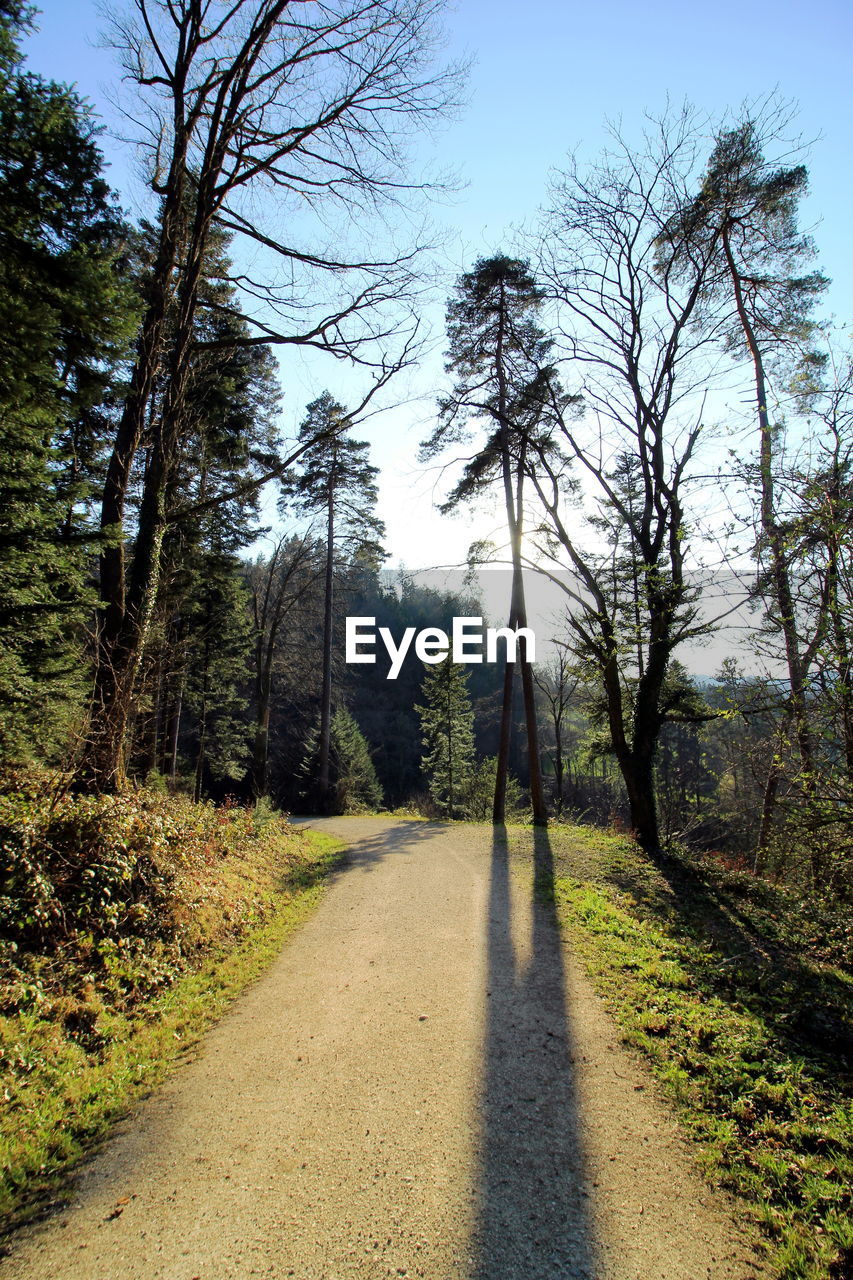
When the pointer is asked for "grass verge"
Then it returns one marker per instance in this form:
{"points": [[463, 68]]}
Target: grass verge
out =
{"points": [[96, 1009], [740, 996]]}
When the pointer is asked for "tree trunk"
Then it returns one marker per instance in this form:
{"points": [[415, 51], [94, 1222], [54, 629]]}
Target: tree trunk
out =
{"points": [[171, 761], [559, 766], [323, 782], [843, 665], [118, 650], [537, 793], [774, 538], [260, 754], [518, 611], [768, 808], [202, 744], [502, 770], [638, 774], [129, 611]]}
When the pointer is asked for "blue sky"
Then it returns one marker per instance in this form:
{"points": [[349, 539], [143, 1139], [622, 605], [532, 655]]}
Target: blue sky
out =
{"points": [[545, 77]]}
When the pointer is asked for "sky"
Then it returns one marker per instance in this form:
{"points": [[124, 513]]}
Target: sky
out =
{"points": [[545, 78]]}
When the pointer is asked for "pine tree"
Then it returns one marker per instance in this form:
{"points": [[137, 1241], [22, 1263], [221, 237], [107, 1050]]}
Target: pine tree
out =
{"points": [[353, 784], [218, 648], [65, 315], [499, 356], [338, 482], [746, 212], [229, 435], [447, 722]]}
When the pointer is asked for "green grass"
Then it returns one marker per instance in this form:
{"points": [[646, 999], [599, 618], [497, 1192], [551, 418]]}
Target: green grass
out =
{"points": [[740, 997], [91, 1023]]}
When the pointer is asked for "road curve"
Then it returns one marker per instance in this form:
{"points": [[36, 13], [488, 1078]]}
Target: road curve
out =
{"points": [[422, 1085]]}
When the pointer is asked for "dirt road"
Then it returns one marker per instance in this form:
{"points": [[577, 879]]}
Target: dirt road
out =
{"points": [[420, 1086]]}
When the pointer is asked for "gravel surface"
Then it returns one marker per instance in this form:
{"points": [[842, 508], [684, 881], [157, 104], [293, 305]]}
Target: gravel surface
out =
{"points": [[423, 1084]]}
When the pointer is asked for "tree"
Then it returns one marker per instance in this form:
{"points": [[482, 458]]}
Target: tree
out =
{"points": [[276, 586], [311, 105], [354, 785], [498, 354], [218, 644], [65, 316], [230, 436], [745, 213], [626, 320], [335, 479], [813, 492], [821, 537], [557, 685], [447, 722]]}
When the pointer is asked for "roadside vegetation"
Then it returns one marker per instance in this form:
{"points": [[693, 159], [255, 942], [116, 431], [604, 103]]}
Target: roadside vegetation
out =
{"points": [[128, 925], [739, 994]]}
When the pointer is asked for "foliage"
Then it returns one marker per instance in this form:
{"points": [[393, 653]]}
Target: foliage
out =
{"points": [[128, 925], [355, 786], [481, 790], [354, 777], [217, 642], [447, 725], [335, 475], [65, 316]]}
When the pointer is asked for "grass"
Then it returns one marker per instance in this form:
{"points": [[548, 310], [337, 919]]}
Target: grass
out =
{"points": [[740, 997], [92, 1018]]}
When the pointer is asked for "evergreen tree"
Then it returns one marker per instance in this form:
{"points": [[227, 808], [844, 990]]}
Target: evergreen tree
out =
{"points": [[746, 215], [337, 481], [353, 784], [218, 648], [498, 354], [277, 585], [229, 435], [65, 315], [447, 722]]}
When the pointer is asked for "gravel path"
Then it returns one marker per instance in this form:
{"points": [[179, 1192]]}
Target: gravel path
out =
{"points": [[422, 1085]]}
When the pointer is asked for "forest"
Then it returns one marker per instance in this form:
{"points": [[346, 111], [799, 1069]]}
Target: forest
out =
{"points": [[643, 404], [147, 641]]}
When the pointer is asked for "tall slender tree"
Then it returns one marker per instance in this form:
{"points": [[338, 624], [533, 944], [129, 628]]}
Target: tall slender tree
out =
{"points": [[499, 356], [229, 437], [276, 586], [337, 482], [447, 722], [627, 320], [65, 318], [746, 210]]}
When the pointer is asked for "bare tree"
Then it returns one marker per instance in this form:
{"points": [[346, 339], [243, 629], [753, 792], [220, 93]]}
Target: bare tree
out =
{"points": [[557, 684], [255, 112], [626, 319]]}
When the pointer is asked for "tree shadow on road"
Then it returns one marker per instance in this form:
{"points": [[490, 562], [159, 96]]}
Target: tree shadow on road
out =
{"points": [[534, 1215]]}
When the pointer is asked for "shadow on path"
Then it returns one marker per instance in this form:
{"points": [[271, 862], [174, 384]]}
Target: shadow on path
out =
{"points": [[534, 1217]]}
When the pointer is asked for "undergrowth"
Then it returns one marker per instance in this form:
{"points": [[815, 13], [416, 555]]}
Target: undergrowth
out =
{"points": [[128, 924], [740, 995]]}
